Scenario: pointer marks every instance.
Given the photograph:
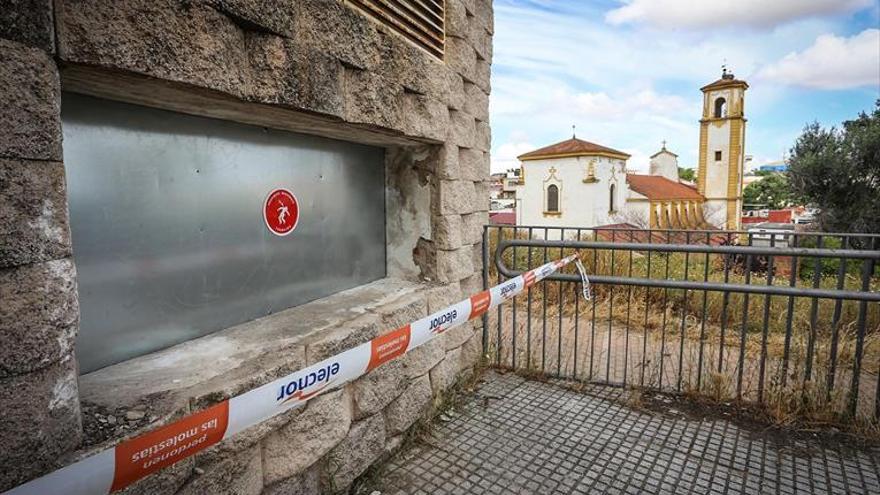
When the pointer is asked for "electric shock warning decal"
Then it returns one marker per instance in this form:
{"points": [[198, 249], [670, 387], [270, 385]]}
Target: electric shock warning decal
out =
{"points": [[114, 469]]}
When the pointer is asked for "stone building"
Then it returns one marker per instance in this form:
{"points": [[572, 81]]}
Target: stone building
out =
{"points": [[138, 280]]}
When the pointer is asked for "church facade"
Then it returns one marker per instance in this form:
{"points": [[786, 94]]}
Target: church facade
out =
{"points": [[577, 183]]}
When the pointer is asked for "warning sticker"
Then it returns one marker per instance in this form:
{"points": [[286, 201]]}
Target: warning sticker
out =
{"points": [[147, 453], [281, 212]]}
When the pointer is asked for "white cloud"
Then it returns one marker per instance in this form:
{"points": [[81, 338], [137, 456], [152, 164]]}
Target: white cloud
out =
{"points": [[716, 13], [832, 62], [505, 155]]}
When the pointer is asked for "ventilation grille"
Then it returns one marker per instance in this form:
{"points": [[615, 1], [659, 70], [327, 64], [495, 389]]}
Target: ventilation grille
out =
{"points": [[420, 21]]}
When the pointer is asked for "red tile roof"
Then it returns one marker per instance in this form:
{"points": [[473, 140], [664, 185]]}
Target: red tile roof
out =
{"points": [[660, 188], [725, 82], [573, 147], [502, 218]]}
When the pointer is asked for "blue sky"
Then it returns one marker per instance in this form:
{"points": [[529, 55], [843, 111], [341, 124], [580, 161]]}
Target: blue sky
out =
{"points": [[628, 73]]}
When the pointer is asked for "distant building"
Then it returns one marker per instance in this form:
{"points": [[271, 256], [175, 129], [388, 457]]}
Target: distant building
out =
{"points": [[777, 166], [580, 183]]}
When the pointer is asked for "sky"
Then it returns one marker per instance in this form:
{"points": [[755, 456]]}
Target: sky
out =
{"points": [[627, 73]]}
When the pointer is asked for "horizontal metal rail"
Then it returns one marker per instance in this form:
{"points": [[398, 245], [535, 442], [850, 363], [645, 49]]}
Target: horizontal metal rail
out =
{"points": [[678, 310]]}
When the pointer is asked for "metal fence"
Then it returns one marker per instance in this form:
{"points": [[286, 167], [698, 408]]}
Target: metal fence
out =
{"points": [[790, 320]]}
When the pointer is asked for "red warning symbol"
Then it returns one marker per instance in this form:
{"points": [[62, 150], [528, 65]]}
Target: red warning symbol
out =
{"points": [[281, 212]]}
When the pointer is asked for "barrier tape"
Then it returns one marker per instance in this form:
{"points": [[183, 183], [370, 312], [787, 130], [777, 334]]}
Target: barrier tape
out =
{"points": [[116, 468]]}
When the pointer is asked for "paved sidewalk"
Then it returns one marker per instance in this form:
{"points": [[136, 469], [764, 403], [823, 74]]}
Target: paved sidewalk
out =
{"points": [[520, 436]]}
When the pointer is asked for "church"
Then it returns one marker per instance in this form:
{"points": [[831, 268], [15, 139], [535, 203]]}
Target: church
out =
{"points": [[576, 183]]}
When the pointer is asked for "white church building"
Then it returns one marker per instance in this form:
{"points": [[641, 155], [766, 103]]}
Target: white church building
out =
{"points": [[576, 183]]}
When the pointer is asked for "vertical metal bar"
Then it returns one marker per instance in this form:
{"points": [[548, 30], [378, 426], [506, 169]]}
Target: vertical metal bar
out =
{"points": [[529, 314], [644, 363], [684, 305], [514, 329], [485, 287], [628, 307], [610, 315], [835, 321], [725, 302], [703, 315], [593, 324], [789, 316], [814, 316], [577, 299], [745, 326], [665, 310], [544, 316], [764, 329], [561, 304], [867, 271], [498, 346]]}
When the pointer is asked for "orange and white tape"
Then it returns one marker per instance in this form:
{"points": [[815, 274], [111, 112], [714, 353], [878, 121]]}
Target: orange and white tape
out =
{"points": [[133, 459]]}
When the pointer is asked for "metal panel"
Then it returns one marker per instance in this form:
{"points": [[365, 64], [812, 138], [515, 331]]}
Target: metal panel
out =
{"points": [[168, 234]]}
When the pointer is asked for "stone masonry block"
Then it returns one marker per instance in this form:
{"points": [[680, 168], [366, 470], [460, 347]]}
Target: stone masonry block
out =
{"points": [[479, 38], [40, 421], [187, 42], [420, 360], [457, 196], [372, 99], [444, 374], [481, 190], [403, 311], [447, 163], [38, 315], [482, 136], [476, 102], [453, 90], [33, 212], [453, 266], [462, 129], [473, 227], [483, 75], [30, 123], [461, 57], [456, 337], [307, 438], [409, 407], [306, 483], [341, 338], [364, 445], [471, 352], [28, 22], [443, 296], [338, 30], [424, 116], [238, 475], [276, 17], [375, 390], [456, 19], [448, 231], [483, 12], [473, 284], [287, 74], [474, 164]]}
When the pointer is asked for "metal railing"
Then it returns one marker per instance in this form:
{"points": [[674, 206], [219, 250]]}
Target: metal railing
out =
{"points": [[795, 326]]}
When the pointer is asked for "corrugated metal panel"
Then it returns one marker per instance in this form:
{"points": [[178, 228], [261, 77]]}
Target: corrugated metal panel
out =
{"points": [[423, 22], [166, 212]]}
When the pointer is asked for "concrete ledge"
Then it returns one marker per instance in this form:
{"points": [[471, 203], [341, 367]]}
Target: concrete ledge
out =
{"points": [[203, 371]]}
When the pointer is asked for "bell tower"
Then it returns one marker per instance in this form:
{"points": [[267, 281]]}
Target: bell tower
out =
{"points": [[722, 146]]}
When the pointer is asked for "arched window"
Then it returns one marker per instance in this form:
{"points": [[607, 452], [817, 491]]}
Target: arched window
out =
{"points": [[720, 108], [552, 198], [612, 205]]}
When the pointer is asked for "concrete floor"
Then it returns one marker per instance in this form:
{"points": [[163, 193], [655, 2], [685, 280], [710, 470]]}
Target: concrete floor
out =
{"points": [[520, 436]]}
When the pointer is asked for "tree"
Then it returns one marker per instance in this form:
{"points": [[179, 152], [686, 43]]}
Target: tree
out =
{"points": [[838, 171], [772, 191], [687, 174]]}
